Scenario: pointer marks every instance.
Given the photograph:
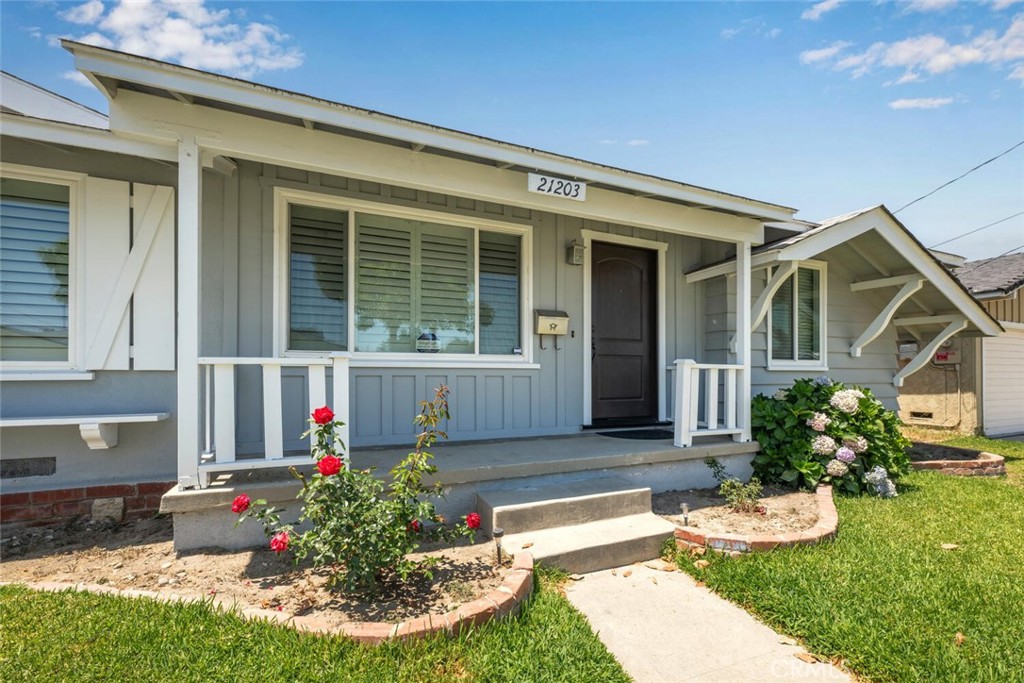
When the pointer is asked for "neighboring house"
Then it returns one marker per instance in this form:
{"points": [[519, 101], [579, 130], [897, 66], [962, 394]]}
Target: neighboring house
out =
{"points": [[974, 384], [314, 252]]}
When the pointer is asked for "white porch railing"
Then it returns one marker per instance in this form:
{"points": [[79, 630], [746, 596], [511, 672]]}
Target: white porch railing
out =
{"points": [[219, 424], [691, 378]]}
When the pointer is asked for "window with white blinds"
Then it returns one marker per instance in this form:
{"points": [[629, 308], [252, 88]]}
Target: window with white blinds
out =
{"points": [[416, 286], [34, 238], [318, 271], [500, 288], [796, 322]]}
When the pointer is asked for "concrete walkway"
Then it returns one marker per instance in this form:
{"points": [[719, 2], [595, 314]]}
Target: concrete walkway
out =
{"points": [[663, 628]]}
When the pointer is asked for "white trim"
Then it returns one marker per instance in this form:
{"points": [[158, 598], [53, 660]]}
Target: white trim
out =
{"points": [[956, 324], [882, 320], [284, 197], [75, 182], [589, 237], [58, 133], [286, 144], [56, 376], [894, 281], [190, 221], [795, 364], [758, 261], [1012, 327], [744, 333], [92, 60]]}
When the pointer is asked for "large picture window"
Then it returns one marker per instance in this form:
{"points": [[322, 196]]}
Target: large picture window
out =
{"points": [[797, 329], [34, 275], [375, 283]]}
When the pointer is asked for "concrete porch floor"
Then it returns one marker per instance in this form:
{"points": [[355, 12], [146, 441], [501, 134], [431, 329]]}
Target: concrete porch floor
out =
{"points": [[465, 469]]}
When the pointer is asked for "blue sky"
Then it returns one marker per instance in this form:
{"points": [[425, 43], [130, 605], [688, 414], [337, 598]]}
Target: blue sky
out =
{"points": [[827, 106]]}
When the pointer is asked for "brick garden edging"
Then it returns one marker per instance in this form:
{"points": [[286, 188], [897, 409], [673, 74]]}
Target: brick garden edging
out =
{"points": [[37, 508], [689, 537], [498, 604], [987, 465]]}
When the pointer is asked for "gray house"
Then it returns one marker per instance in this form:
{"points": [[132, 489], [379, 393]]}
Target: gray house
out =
{"points": [[198, 271]]}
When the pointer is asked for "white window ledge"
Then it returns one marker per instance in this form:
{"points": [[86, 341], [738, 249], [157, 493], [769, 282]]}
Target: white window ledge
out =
{"points": [[44, 375], [442, 364], [796, 367]]}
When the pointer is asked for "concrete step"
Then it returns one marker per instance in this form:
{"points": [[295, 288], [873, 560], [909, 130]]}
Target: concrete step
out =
{"points": [[595, 545], [574, 502]]}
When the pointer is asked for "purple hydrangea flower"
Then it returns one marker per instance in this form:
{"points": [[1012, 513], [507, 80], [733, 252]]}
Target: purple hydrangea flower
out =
{"points": [[846, 455]]}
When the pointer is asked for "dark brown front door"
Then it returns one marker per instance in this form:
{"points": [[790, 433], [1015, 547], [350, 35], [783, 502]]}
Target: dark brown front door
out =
{"points": [[623, 299]]}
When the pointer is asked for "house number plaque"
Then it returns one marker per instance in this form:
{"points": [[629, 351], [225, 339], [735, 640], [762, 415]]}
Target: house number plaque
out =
{"points": [[557, 187]]}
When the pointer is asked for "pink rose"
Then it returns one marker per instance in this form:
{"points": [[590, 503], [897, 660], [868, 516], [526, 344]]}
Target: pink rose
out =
{"points": [[279, 543], [323, 415], [240, 504], [473, 520], [329, 464]]}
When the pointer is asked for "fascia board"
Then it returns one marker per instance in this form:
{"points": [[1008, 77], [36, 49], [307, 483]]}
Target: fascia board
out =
{"points": [[267, 99], [236, 135], [58, 133]]}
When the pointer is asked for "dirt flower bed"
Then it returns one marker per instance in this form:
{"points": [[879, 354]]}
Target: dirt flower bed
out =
{"points": [[782, 510], [140, 555]]}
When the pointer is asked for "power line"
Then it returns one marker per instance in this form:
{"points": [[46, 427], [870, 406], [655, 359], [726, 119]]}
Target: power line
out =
{"points": [[960, 273], [971, 232], [989, 161]]}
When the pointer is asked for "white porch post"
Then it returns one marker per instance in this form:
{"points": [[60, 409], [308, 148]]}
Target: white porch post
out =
{"points": [[743, 339], [190, 170]]}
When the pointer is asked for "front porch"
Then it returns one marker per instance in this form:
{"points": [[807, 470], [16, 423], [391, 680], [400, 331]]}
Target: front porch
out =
{"points": [[202, 517]]}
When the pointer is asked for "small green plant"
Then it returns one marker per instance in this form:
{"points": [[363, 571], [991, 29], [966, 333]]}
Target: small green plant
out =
{"points": [[823, 431], [739, 496], [358, 528]]}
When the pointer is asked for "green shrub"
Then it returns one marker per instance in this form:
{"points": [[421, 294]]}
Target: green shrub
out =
{"points": [[739, 496], [358, 528], [822, 431]]}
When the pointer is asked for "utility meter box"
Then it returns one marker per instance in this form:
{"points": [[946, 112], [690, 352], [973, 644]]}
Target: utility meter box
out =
{"points": [[551, 322], [947, 356]]}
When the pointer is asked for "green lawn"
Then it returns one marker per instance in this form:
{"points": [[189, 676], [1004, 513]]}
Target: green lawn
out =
{"points": [[886, 597], [82, 637]]}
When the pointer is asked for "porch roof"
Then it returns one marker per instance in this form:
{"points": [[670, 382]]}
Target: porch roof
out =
{"points": [[112, 71], [877, 252]]}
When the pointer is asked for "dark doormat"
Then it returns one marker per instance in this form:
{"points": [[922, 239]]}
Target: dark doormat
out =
{"points": [[642, 434]]}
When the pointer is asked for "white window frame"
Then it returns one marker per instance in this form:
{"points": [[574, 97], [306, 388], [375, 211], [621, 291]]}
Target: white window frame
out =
{"points": [[816, 365], [284, 197], [36, 370]]}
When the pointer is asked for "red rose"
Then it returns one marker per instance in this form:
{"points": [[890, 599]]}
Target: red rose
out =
{"points": [[414, 526], [323, 415], [473, 520], [240, 504], [329, 465], [279, 543]]}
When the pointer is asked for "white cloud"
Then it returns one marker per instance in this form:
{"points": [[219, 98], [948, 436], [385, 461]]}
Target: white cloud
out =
{"points": [[86, 13], [921, 103], [1003, 4], [908, 77], [929, 5], [825, 53], [607, 141], [774, 33], [188, 33], [76, 77], [638, 143], [728, 33], [818, 10], [932, 54], [1018, 73]]}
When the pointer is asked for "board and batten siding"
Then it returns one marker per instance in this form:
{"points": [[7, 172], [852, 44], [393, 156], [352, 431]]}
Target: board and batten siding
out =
{"points": [[848, 316], [237, 316], [1002, 379], [146, 451]]}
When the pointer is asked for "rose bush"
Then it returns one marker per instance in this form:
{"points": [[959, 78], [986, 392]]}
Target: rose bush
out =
{"points": [[822, 431], [360, 529]]}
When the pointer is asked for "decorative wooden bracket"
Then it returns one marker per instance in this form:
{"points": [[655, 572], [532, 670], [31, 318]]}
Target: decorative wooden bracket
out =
{"points": [[760, 308], [882, 320], [925, 354]]}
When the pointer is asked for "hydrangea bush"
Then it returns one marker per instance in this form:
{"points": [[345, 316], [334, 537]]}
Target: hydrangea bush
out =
{"points": [[823, 431], [360, 529]]}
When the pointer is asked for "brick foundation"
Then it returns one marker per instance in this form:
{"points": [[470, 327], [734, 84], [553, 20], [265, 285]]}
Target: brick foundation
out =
{"points": [[37, 508], [692, 538], [987, 465], [499, 603]]}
